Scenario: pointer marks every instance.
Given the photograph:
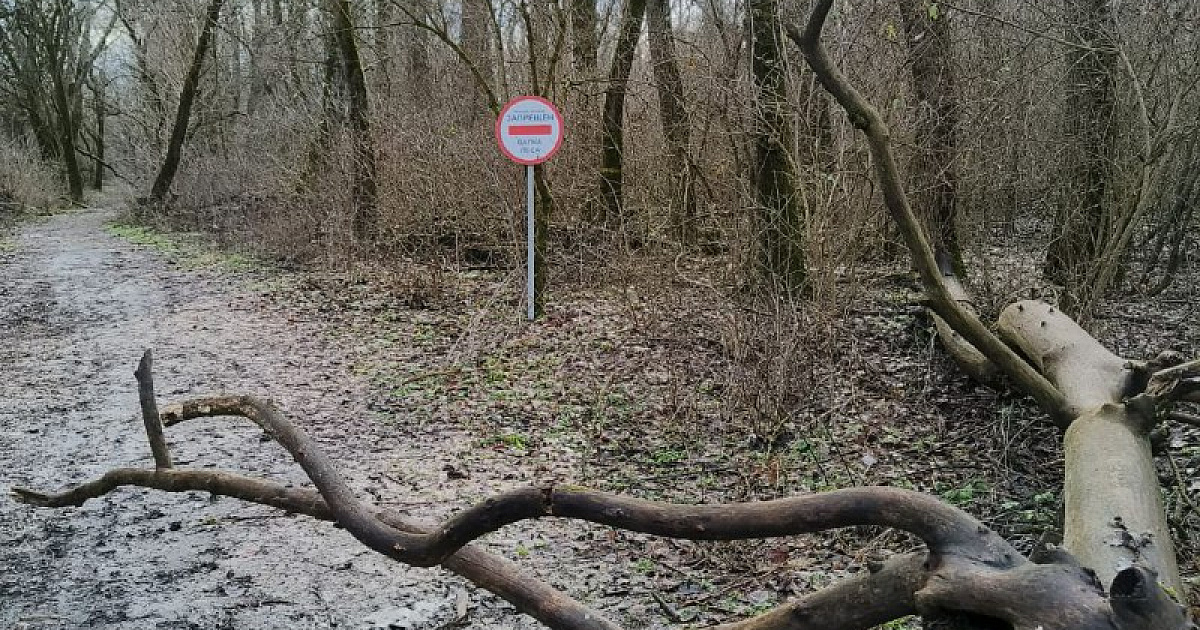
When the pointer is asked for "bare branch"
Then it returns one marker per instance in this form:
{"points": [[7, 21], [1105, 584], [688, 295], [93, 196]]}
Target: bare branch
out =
{"points": [[173, 480], [945, 528], [530, 595], [865, 118], [969, 568], [1180, 382], [1185, 418], [150, 417], [882, 593]]}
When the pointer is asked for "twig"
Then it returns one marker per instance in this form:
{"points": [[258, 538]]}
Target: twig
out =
{"points": [[665, 607], [1182, 370], [1023, 29], [1180, 481], [1185, 418], [150, 417]]}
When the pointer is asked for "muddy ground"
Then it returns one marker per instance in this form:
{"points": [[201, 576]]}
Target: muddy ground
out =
{"points": [[431, 392]]}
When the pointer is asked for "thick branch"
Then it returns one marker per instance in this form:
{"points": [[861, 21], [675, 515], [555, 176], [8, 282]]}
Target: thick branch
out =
{"points": [[174, 480], [969, 568], [1114, 514], [864, 117], [944, 528], [871, 598], [1060, 596], [967, 356]]}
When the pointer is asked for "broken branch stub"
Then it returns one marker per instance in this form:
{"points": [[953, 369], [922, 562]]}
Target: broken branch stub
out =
{"points": [[150, 418]]}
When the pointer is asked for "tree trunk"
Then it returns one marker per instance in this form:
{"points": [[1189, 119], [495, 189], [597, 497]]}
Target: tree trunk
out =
{"points": [[476, 42], [676, 124], [170, 165], [101, 112], [383, 46], [1114, 512], [933, 169], [1091, 106], [416, 48], [67, 127], [583, 40], [612, 134], [366, 210], [780, 219]]}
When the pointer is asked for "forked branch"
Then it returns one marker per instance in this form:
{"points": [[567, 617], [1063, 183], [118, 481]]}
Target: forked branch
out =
{"points": [[493, 573], [969, 568]]}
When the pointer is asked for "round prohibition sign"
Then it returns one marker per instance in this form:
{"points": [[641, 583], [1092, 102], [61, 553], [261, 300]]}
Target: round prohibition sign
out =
{"points": [[529, 130]]}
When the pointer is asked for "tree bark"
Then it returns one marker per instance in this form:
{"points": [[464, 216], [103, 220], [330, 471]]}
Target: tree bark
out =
{"points": [[1114, 511], [100, 111], [934, 167], [383, 46], [612, 125], [150, 416], [1091, 108], [776, 197], [476, 42], [364, 185], [676, 124], [420, 74], [170, 165]]}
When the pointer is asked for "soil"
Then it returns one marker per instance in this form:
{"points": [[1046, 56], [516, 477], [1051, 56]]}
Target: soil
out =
{"points": [[426, 386]]}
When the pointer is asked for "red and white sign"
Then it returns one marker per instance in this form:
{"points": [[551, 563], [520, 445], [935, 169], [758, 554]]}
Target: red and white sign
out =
{"points": [[529, 130]]}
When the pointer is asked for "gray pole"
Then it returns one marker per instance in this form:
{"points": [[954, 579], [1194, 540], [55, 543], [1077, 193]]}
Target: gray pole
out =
{"points": [[529, 270]]}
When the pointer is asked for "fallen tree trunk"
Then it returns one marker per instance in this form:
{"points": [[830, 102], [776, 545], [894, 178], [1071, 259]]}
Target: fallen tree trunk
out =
{"points": [[1114, 515], [1114, 511]]}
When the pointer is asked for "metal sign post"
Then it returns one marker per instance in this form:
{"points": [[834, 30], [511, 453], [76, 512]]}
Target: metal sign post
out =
{"points": [[529, 131], [529, 237]]}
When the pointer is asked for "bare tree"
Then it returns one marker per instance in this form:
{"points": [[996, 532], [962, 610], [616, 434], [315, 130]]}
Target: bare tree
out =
{"points": [[676, 123], [934, 167], [612, 126], [776, 196], [183, 114], [49, 49]]}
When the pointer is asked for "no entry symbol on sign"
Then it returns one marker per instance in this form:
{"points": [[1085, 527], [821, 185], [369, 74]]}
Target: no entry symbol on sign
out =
{"points": [[529, 130]]}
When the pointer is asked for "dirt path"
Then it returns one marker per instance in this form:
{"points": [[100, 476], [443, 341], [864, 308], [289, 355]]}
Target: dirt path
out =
{"points": [[77, 307]]}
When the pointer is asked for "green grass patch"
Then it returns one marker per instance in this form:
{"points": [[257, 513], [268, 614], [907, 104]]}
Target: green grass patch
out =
{"points": [[146, 237], [186, 249]]}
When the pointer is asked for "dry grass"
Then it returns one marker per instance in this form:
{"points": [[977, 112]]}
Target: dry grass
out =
{"points": [[26, 182]]}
